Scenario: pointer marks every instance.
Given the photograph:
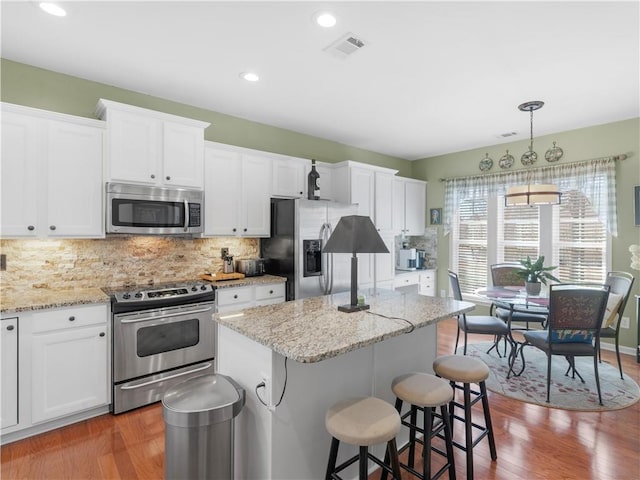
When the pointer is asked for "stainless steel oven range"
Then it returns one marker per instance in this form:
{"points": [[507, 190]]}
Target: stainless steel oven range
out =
{"points": [[162, 335]]}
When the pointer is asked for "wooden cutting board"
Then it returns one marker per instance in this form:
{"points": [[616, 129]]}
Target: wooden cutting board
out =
{"points": [[217, 277]]}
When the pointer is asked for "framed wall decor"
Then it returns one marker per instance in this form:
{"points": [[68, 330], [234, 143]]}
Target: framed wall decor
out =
{"points": [[636, 204], [435, 214]]}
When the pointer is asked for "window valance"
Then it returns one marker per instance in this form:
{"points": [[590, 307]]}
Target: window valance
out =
{"points": [[596, 179]]}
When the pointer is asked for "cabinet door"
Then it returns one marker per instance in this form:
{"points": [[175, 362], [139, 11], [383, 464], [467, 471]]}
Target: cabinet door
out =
{"points": [[222, 170], [134, 146], [69, 371], [74, 181], [290, 177], [255, 209], [20, 175], [415, 207], [383, 201], [182, 155], [398, 206], [384, 262], [9, 385], [362, 190]]}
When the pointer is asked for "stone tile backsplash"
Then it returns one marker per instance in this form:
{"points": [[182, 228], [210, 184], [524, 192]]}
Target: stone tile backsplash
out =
{"points": [[115, 261]]}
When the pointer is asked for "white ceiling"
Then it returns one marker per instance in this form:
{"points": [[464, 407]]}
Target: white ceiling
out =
{"points": [[433, 77]]}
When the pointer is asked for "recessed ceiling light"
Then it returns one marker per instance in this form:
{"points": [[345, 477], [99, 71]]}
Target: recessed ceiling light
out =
{"points": [[53, 9], [249, 77], [325, 19]]}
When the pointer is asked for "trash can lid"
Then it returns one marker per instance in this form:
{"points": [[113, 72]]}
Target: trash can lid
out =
{"points": [[202, 400]]}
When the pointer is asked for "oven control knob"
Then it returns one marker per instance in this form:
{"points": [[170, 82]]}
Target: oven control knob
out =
{"points": [[194, 289], [203, 287], [126, 296], [138, 295]]}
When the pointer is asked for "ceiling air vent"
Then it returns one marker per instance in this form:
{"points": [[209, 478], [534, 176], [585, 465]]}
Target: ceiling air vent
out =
{"points": [[345, 46], [507, 134]]}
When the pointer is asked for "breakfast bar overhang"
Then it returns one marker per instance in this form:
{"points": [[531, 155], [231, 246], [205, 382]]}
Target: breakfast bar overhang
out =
{"points": [[317, 356]]}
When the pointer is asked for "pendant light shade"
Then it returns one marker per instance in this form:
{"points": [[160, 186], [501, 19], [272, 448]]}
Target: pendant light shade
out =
{"points": [[544, 194]]}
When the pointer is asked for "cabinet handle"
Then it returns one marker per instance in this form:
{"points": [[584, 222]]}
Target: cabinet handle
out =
{"points": [[234, 229], [31, 228], [168, 177], [270, 292], [52, 227], [245, 229], [10, 327], [153, 176], [235, 296], [72, 318], [102, 334], [301, 193]]}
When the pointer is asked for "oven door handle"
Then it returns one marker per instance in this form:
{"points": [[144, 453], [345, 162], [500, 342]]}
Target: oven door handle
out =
{"points": [[167, 315], [151, 382]]}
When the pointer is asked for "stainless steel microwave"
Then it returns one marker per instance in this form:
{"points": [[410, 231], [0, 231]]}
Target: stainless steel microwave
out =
{"points": [[146, 210]]}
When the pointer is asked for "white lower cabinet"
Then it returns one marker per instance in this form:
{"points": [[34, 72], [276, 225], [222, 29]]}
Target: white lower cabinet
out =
{"points": [[237, 298], [64, 372], [9, 385], [424, 279], [427, 283], [69, 371]]}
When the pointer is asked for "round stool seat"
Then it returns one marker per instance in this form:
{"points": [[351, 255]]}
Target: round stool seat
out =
{"points": [[422, 389], [363, 421], [461, 368]]}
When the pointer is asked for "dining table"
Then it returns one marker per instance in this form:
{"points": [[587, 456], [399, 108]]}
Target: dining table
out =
{"points": [[515, 299]]}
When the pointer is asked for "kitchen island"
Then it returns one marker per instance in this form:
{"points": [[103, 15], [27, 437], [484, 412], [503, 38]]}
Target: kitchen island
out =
{"points": [[317, 355]]}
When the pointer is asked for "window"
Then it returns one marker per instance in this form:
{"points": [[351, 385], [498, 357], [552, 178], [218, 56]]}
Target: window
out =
{"points": [[569, 235]]}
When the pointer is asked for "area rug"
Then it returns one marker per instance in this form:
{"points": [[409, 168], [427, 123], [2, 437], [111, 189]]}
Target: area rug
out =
{"points": [[566, 392]]}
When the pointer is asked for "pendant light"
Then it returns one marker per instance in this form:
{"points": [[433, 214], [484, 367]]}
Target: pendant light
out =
{"points": [[545, 194]]}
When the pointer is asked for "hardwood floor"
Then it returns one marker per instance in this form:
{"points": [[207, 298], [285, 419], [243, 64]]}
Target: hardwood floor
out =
{"points": [[533, 442]]}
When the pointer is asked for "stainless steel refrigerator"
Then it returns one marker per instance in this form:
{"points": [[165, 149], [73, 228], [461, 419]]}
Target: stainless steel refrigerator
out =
{"points": [[299, 230]]}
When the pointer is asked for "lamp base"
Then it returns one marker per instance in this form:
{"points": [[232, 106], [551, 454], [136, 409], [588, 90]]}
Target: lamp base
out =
{"points": [[352, 308]]}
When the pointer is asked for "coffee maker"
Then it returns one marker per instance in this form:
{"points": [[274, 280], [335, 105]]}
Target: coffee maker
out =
{"points": [[407, 258]]}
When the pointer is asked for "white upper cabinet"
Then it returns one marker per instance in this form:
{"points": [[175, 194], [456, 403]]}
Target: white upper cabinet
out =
{"points": [[51, 174], [237, 191], [290, 176], [409, 206], [153, 148], [370, 187], [383, 202]]}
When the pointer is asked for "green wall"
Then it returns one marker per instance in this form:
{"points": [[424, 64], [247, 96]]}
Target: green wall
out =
{"points": [[582, 144], [35, 87]]}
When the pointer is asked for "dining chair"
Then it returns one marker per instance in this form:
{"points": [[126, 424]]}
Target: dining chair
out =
{"points": [[573, 326], [505, 275], [477, 324], [620, 283]]}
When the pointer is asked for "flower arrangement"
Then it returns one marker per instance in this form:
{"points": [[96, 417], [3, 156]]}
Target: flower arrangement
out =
{"points": [[635, 256]]}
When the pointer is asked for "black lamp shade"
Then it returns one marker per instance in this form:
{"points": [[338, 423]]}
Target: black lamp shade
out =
{"points": [[355, 234]]}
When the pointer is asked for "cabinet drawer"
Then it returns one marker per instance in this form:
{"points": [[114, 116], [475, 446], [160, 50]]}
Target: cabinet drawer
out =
{"points": [[405, 279], [68, 318], [266, 292], [234, 296]]}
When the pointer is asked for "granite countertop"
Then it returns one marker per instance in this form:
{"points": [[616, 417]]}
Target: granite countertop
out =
{"points": [[24, 300], [312, 329], [243, 282]]}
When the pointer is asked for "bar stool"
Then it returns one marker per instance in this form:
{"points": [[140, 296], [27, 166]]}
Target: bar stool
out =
{"points": [[462, 371], [362, 422], [425, 392]]}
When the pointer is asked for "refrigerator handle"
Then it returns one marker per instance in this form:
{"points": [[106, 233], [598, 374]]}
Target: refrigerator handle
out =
{"points": [[322, 279], [329, 264]]}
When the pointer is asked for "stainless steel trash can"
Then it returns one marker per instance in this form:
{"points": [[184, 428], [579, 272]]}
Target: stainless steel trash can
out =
{"points": [[199, 415]]}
